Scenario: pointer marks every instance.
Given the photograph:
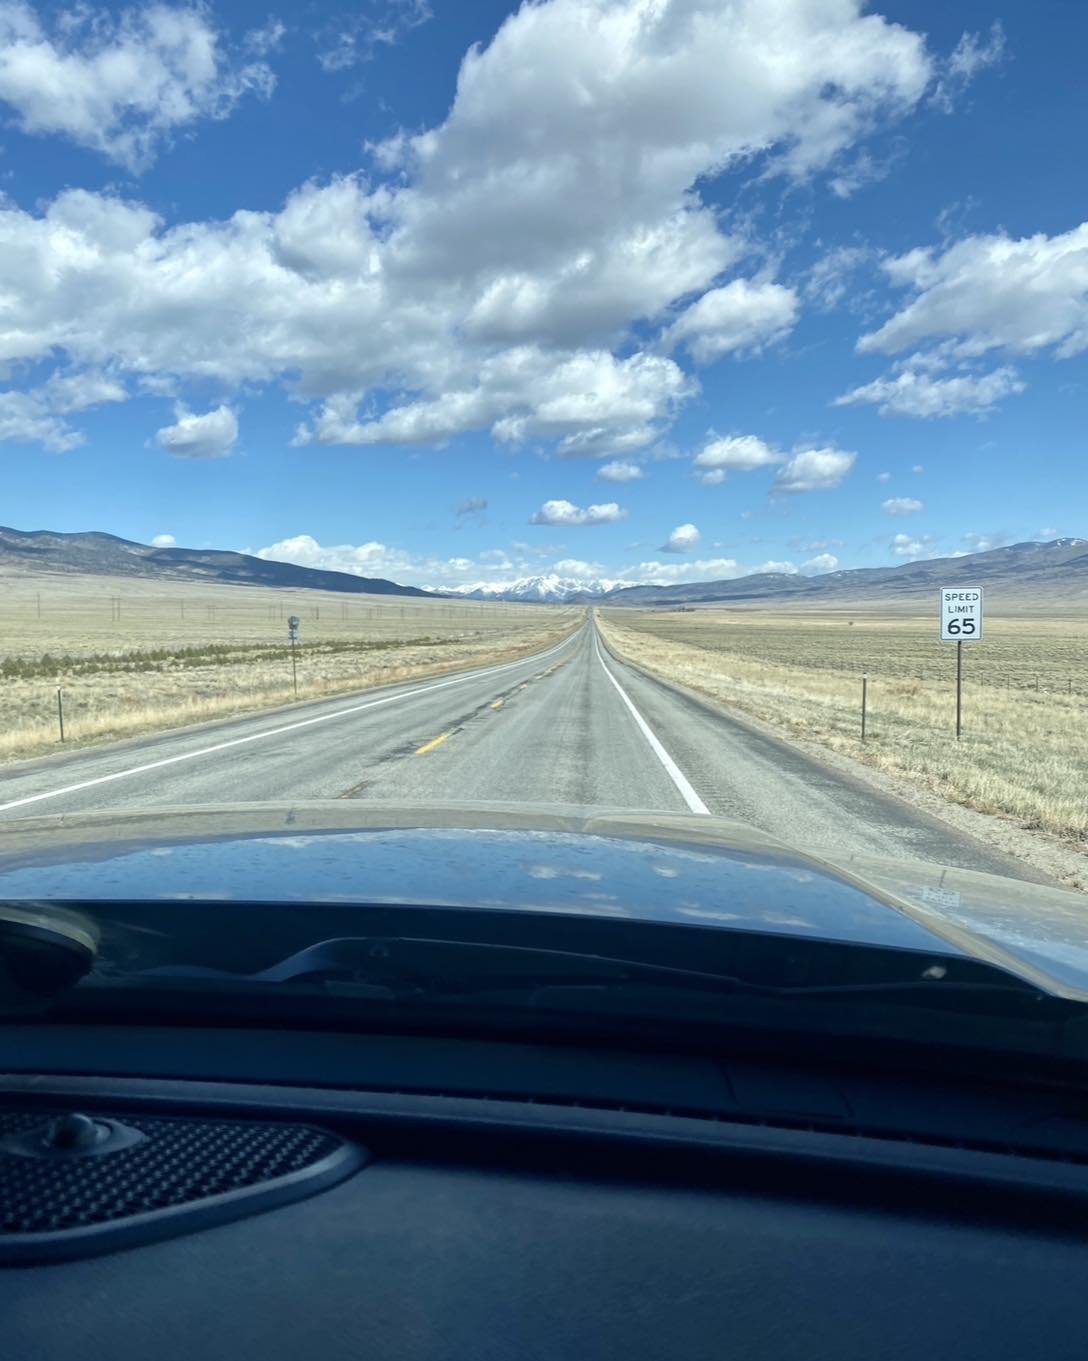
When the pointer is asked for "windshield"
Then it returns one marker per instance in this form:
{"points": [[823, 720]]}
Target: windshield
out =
{"points": [[656, 424]]}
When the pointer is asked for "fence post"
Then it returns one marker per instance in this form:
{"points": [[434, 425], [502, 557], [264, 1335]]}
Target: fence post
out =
{"points": [[864, 701], [60, 712]]}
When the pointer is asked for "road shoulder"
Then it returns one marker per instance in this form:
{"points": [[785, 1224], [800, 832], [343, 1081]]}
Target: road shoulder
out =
{"points": [[1046, 855]]}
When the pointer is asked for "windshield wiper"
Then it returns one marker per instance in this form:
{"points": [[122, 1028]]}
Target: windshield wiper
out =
{"points": [[400, 968]]}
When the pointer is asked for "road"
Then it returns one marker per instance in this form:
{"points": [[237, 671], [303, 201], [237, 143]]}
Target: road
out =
{"points": [[570, 726]]}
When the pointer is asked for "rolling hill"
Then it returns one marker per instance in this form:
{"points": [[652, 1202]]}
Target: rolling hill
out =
{"points": [[1022, 573], [43, 550]]}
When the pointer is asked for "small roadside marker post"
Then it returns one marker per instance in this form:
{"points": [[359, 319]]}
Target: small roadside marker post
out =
{"points": [[292, 635], [961, 622], [60, 712], [864, 701]]}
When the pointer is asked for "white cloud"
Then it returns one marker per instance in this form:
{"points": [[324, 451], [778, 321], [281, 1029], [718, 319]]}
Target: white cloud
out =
{"points": [[901, 505], [992, 292], [917, 468], [119, 86], [972, 54], [683, 539], [36, 415], [740, 453], [354, 38], [620, 470], [982, 543], [268, 38], [472, 505], [741, 317], [1049, 533], [829, 278], [209, 436], [494, 271], [883, 477], [163, 541], [814, 470], [822, 562], [566, 513], [906, 546], [914, 392]]}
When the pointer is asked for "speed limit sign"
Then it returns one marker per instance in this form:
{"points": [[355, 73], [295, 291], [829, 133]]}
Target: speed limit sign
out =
{"points": [[961, 614]]}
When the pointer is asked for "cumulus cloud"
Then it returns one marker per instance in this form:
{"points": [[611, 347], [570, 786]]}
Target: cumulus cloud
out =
{"points": [[917, 468], [163, 541], [741, 316], [906, 546], [916, 392], [119, 86], [739, 453], [992, 293], [37, 415], [883, 477], [901, 505], [491, 273], [982, 543], [211, 435], [472, 505], [814, 470], [683, 539], [620, 470], [822, 562], [566, 513]]}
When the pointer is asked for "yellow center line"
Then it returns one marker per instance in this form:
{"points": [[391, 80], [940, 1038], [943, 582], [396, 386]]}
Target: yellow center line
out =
{"points": [[430, 746], [497, 704]]}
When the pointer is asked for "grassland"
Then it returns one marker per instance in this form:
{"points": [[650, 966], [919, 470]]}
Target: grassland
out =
{"points": [[133, 656], [1024, 750]]}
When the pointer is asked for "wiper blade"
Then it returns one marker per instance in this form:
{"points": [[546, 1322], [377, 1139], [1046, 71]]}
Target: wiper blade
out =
{"points": [[403, 967]]}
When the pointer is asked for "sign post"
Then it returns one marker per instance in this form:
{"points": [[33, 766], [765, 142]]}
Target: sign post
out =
{"points": [[292, 634], [961, 622]]}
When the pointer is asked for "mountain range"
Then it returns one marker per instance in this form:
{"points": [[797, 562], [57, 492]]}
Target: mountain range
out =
{"points": [[1023, 573], [43, 550]]}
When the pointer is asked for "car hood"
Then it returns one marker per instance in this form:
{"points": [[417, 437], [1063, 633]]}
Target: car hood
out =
{"points": [[659, 867]]}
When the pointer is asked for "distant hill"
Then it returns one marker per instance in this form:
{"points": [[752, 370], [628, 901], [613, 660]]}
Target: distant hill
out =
{"points": [[43, 550], [1023, 573]]}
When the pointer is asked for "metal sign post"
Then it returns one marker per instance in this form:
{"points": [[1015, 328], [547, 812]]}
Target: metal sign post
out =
{"points": [[961, 622], [292, 634]]}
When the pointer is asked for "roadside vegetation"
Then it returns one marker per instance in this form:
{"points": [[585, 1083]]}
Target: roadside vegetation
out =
{"points": [[133, 657], [1023, 754]]}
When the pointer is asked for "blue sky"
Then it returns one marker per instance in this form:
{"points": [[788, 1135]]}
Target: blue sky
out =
{"points": [[453, 293]]}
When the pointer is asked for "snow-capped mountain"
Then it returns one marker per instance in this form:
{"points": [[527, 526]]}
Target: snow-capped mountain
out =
{"points": [[549, 589]]}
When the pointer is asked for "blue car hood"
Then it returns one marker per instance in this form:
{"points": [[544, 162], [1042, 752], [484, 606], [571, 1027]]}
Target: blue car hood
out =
{"points": [[671, 868]]}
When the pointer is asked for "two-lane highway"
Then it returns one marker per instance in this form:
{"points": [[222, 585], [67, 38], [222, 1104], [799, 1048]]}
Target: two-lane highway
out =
{"points": [[569, 726]]}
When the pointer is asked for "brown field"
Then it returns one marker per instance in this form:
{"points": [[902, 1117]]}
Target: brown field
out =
{"points": [[1024, 750], [134, 656]]}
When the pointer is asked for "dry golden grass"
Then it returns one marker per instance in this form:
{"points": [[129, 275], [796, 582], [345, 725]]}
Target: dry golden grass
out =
{"points": [[133, 657], [1024, 752]]}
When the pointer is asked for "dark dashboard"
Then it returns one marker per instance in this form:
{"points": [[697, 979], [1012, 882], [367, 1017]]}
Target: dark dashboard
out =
{"points": [[544, 1201]]}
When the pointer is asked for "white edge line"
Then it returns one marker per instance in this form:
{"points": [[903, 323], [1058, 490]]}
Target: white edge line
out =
{"points": [[679, 779], [276, 732]]}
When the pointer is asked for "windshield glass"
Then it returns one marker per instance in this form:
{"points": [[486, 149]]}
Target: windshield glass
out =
{"points": [[602, 457]]}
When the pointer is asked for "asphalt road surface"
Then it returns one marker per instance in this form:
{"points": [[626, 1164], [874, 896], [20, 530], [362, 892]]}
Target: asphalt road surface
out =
{"points": [[569, 726]]}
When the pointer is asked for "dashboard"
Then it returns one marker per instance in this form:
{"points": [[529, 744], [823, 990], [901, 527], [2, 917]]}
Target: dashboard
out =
{"points": [[533, 1201]]}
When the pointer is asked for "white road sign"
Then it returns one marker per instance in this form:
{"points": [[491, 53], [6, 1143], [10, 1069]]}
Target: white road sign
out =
{"points": [[961, 614]]}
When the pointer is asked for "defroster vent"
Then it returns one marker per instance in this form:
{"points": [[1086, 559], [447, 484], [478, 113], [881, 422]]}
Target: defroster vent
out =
{"points": [[77, 1183]]}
